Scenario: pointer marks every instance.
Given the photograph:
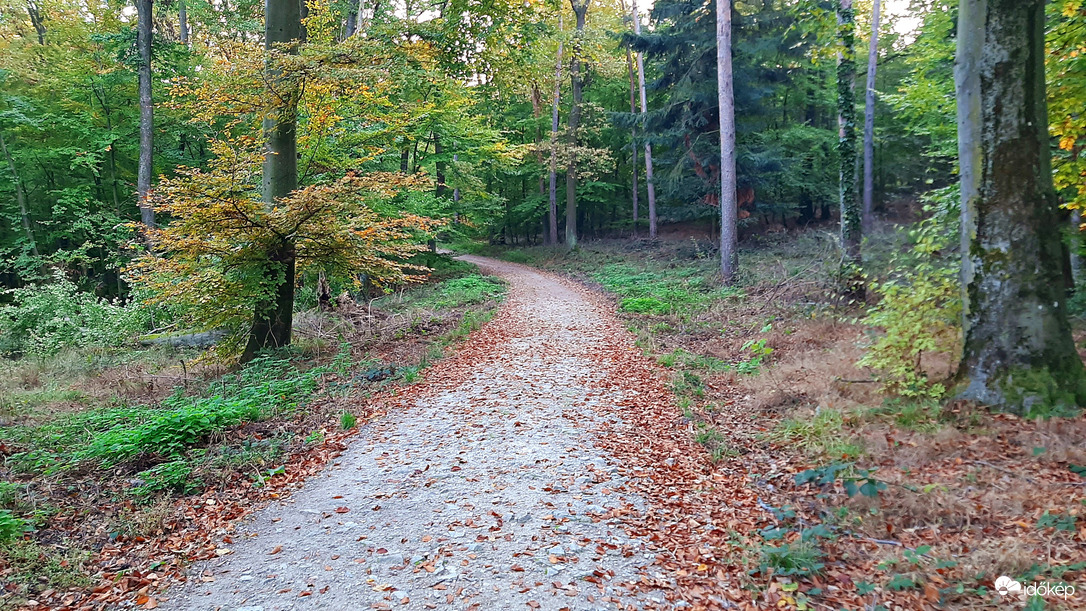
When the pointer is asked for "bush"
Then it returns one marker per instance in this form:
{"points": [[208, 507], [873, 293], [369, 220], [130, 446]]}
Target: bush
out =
{"points": [[270, 385], [919, 308], [43, 319], [11, 527], [170, 476]]}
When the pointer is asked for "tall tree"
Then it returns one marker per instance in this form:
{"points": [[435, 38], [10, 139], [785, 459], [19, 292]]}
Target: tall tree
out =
{"points": [[650, 186], [552, 210], [183, 22], [729, 236], [633, 130], [580, 9], [274, 311], [1018, 352], [20, 197], [851, 218], [869, 118], [144, 20]]}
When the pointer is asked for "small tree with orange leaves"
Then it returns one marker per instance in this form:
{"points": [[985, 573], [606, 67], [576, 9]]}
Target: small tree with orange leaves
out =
{"points": [[212, 261]]}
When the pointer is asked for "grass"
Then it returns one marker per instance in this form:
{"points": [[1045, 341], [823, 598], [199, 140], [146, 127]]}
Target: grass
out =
{"points": [[823, 434]]}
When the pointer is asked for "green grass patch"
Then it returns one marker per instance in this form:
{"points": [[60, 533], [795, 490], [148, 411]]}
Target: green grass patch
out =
{"points": [[268, 386], [821, 434]]}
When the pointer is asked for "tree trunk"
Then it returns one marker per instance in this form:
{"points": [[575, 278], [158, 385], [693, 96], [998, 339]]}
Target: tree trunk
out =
{"points": [[37, 20], [274, 313], [869, 119], [729, 235], [580, 10], [1018, 353], [633, 131], [552, 211], [183, 22], [147, 112], [537, 113], [851, 216], [650, 185], [456, 193], [20, 197], [1075, 244]]}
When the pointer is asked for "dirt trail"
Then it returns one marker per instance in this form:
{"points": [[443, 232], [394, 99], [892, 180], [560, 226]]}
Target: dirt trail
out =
{"points": [[485, 490]]}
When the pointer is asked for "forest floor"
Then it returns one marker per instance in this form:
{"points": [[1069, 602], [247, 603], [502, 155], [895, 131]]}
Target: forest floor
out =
{"points": [[765, 375], [498, 483], [624, 433]]}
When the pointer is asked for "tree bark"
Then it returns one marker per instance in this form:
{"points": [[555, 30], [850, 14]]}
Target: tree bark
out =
{"points": [[729, 235], [183, 22], [274, 313], [1075, 244], [20, 197], [650, 185], [552, 210], [537, 113], [869, 119], [37, 20], [851, 216], [580, 10], [633, 130], [147, 112], [1018, 354]]}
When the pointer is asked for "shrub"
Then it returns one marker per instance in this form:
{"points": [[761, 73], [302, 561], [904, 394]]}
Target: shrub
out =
{"points": [[644, 305], [43, 319], [919, 308], [254, 394], [11, 527], [170, 476]]}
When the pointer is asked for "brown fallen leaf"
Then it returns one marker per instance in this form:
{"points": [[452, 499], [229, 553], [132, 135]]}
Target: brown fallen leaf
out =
{"points": [[342, 509], [276, 550]]}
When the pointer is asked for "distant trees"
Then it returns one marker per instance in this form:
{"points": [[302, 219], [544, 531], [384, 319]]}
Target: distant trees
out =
{"points": [[1018, 353]]}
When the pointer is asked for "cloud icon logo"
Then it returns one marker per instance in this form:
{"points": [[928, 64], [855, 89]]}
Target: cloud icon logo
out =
{"points": [[1007, 586]]}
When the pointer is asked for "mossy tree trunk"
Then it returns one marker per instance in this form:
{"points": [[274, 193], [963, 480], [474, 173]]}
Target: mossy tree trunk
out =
{"points": [[1018, 353], [851, 218], [274, 313]]}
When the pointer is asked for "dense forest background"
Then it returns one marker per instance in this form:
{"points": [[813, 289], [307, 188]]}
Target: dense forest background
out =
{"points": [[461, 94]]}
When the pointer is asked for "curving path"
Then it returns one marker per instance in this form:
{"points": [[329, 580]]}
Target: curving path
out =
{"points": [[483, 489]]}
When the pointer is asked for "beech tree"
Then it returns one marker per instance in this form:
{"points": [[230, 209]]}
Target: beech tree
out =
{"points": [[729, 236], [650, 185], [869, 118], [580, 9], [552, 209], [147, 110], [851, 232], [1018, 353]]}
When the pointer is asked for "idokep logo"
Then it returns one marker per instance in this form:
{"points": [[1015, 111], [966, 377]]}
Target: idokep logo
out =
{"points": [[1008, 587]]}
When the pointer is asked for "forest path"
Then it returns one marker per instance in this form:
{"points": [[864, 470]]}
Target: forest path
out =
{"points": [[484, 489]]}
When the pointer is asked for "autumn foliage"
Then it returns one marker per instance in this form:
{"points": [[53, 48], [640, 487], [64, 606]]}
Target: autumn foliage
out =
{"points": [[210, 261]]}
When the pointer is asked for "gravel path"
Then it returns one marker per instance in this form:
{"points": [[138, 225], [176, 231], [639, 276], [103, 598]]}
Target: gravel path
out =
{"points": [[485, 490]]}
